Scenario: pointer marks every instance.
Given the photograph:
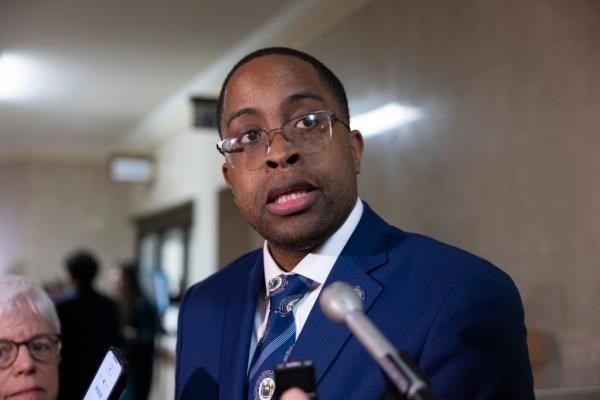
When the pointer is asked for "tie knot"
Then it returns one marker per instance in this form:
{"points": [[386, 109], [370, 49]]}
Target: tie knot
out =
{"points": [[286, 290]]}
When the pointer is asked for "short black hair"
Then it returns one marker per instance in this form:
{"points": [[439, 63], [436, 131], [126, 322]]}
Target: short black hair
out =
{"points": [[325, 73], [82, 266]]}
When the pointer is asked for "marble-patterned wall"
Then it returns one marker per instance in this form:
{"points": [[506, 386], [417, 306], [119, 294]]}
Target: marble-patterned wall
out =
{"points": [[505, 160]]}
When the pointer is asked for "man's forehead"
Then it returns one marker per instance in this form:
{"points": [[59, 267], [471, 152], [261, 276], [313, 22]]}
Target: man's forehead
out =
{"points": [[278, 63], [280, 77], [273, 72]]}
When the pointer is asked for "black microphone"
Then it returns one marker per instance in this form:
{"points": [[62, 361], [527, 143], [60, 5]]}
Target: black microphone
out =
{"points": [[343, 306]]}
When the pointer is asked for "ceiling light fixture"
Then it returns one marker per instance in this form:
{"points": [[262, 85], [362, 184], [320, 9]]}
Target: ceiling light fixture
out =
{"points": [[131, 168], [384, 118], [16, 76]]}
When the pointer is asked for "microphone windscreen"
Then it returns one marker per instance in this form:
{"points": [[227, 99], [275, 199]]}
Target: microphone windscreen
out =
{"points": [[339, 299]]}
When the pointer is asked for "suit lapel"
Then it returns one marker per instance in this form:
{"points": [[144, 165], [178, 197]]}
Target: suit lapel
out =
{"points": [[237, 334], [321, 340]]}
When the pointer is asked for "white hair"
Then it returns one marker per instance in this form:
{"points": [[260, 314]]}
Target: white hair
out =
{"points": [[20, 292]]}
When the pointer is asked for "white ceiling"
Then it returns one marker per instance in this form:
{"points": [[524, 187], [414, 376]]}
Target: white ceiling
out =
{"points": [[102, 67]]}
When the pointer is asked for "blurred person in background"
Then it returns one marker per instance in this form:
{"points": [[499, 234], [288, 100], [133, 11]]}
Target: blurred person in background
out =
{"points": [[29, 341], [90, 325], [140, 325]]}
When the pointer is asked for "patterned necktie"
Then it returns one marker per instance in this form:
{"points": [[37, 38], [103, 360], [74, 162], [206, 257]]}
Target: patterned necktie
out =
{"points": [[278, 340]]}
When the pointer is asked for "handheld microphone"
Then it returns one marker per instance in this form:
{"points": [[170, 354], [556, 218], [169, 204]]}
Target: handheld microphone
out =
{"points": [[341, 305]]}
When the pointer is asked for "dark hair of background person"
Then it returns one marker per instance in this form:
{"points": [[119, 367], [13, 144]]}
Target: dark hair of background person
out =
{"points": [[83, 267], [325, 73]]}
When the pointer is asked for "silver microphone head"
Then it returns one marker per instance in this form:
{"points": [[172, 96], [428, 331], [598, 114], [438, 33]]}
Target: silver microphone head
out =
{"points": [[339, 299]]}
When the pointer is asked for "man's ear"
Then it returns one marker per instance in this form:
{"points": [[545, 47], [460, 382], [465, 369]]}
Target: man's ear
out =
{"points": [[357, 146], [226, 170]]}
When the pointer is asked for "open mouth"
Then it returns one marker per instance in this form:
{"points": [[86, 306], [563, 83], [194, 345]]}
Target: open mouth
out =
{"points": [[291, 198], [284, 198]]}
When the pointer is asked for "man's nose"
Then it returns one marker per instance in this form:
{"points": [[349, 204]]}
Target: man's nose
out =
{"points": [[282, 151]]}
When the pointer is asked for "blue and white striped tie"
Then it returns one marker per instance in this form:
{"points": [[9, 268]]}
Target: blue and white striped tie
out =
{"points": [[278, 340]]}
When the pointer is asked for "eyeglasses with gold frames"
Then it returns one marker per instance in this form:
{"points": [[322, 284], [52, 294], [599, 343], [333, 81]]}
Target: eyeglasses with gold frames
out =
{"points": [[310, 133]]}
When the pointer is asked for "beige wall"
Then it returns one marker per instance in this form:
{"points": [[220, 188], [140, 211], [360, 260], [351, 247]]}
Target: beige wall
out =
{"points": [[505, 161], [49, 208]]}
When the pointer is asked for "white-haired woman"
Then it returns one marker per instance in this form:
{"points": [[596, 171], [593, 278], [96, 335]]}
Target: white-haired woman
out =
{"points": [[29, 341]]}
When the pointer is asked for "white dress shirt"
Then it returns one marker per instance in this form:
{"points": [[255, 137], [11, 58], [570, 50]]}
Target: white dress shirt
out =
{"points": [[315, 266]]}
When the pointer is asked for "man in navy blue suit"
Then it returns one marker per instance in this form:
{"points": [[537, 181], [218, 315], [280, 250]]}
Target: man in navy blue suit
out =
{"points": [[291, 161]]}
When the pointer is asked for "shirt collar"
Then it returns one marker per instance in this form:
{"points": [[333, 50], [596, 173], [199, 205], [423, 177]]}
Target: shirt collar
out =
{"points": [[318, 264]]}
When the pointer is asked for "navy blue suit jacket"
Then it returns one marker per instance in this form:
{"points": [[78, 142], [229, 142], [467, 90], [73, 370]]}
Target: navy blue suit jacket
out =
{"points": [[459, 317]]}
